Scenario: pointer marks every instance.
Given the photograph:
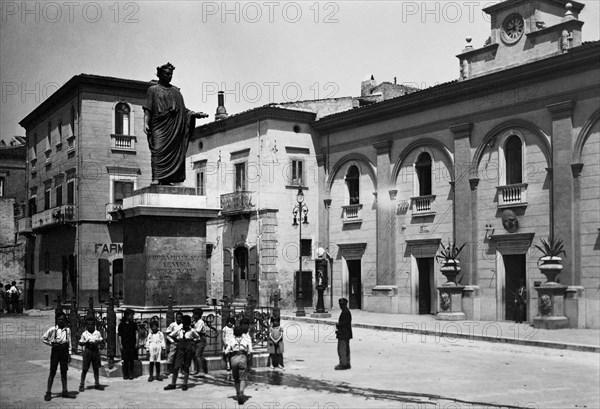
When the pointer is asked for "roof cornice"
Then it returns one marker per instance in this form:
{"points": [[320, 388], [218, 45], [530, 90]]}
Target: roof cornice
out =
{"points": [[251, 116], [71, 86], [576, 60]]}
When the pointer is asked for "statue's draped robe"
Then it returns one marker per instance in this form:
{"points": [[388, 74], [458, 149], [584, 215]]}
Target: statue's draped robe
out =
{"points": [[171, 126]]}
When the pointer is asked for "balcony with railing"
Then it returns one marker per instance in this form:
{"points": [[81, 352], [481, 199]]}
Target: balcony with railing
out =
{"points": [[514, 195], [122, 142], [422, 205], [352, 213], [112, 207], [237, 203], [55, 216]]}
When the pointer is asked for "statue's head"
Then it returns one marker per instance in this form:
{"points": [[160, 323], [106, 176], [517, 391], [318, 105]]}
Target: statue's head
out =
{"points": [[165, 72]]}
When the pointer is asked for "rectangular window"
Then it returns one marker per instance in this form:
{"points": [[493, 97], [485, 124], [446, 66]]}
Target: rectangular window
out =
{"points": [[297, 169], [59, 195], [2, 182], [240, 177], [201, 182], [121, 190], [32, 206], [306, 248], [71, 192], [47, 199]]}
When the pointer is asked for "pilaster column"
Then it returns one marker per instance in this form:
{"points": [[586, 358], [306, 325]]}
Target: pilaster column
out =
{"points": [[562, 182], [463, 216], [385, 216]]}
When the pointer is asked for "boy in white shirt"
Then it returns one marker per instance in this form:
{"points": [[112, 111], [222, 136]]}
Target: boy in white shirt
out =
{"points": [[92, 341], [155, 344], [59, 338], [173, 327], [240, 350]]}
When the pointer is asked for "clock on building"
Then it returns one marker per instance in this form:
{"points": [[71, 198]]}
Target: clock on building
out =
{"points": [[512, 28]]}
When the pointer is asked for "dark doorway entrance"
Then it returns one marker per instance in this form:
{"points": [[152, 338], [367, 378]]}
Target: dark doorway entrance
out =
{"points": [[425, 287], [354, 284], [117, 283], [514, 274], [307, 292], [240, 276]]}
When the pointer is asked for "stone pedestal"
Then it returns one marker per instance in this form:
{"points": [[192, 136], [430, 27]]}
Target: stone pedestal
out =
{"points": [[383, 299], [164, 246], [451, 303], [551, 307], [575, 306], [471, 303]]}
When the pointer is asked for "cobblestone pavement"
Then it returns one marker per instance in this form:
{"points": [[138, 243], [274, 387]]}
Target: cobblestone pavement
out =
{"points": [[389, 370]]}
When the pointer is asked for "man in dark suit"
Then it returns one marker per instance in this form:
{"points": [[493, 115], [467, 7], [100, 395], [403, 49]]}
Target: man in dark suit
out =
{"points": [[344, 335]]}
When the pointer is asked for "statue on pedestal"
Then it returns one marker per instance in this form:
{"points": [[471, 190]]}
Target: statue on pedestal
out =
{"points": [[168, 125]]}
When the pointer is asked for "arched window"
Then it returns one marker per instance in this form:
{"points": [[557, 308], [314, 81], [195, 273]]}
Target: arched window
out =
{"points": [[122, 119], [423, 169], [352, 182], [514, 160]]}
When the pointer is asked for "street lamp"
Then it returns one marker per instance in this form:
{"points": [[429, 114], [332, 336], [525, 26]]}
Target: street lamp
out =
{"points": [[297, 211]]}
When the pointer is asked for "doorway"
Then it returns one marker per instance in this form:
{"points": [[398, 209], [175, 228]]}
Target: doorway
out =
{"points": [[117, 282], [426, 286], [514, 275], [354, 284], [240, 276]]}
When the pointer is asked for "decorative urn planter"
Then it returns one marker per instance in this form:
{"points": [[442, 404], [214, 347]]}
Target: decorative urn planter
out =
{"points": [[551, 266], [450, 269]]}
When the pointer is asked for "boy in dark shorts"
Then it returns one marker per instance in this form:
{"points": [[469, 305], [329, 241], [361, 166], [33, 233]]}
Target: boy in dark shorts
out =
{"points": [[92, 341], [239, 348], [59, 338]]}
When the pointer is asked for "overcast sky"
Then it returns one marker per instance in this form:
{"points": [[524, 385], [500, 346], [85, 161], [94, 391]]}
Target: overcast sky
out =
{"points": [[257, 52]]}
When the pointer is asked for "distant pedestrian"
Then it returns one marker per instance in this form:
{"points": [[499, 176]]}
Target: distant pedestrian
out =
{"points": [[15, 294], [240, 351], [1, 299], [128, 335], [185, 338], [521, 303], [173, 327], [8, 299], [200, 343], [155, 344], [344, 335], [92, 341], [226, 336], [59, 338], [275, 345], [245, 326]]}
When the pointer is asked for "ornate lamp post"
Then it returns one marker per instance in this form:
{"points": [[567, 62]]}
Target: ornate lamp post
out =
{"points": [[299, 220]]}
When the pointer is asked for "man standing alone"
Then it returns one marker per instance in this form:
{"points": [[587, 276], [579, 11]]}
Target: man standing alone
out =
{"points": [[344, 335]]}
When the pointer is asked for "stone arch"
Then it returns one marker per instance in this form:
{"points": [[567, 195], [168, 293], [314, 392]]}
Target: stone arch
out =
{"points": [[583, 136], [431, 146], [489, 140], [361, 161]]}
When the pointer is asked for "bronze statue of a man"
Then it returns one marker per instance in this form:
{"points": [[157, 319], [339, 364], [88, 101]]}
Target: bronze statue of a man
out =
{"points": [[168, 125]]}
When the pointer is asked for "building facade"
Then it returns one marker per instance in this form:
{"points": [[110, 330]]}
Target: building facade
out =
{"points": [[83, 157], [504, 156]]}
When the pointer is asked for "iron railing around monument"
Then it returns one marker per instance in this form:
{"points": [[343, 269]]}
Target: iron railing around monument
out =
{"points": [[107, 320]]}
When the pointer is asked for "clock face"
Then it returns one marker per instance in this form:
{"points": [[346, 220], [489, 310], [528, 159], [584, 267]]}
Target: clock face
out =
{"points": [[512, 28]]}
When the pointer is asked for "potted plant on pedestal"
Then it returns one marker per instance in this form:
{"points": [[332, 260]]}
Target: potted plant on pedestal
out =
{"points": [[449, 258], [551, 262]]}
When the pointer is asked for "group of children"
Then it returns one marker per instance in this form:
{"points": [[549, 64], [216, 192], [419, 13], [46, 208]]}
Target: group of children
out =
{"points": [[185, 338]]}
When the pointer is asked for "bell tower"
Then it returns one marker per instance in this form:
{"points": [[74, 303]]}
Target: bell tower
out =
{"points": [[523, 31]]}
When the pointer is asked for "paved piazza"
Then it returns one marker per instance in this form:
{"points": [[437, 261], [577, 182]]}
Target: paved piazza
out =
{"points": [[389, 370]]}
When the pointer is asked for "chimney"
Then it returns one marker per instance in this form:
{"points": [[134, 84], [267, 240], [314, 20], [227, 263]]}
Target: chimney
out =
{"points": [[366, 87], [221, 111]]}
